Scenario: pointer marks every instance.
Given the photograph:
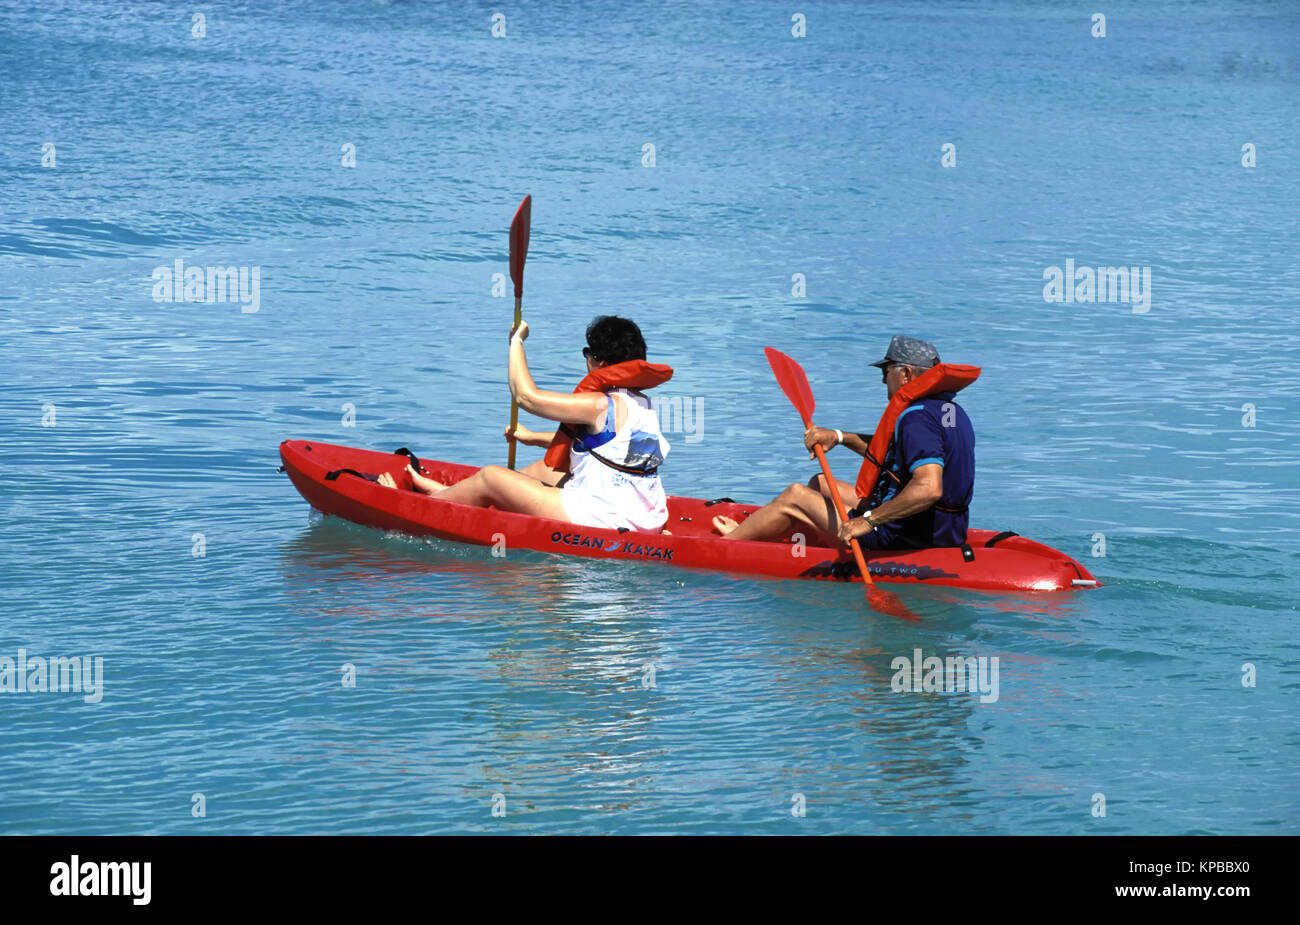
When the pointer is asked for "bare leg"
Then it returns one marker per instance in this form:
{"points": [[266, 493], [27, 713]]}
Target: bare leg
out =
{"points": [[543, 473], [424, 483], [848, 492], [798, 508], [508, 490], [538, 471]]}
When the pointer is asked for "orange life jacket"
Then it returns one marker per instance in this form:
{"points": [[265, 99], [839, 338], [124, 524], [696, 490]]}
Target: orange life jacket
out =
{"points": [[634, 374], [946, 377]]}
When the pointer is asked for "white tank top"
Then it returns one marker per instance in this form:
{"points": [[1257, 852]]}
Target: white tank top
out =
{"points": [[599, 496]]}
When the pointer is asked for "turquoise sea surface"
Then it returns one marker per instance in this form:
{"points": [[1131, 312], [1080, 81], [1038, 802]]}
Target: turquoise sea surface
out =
{"points": [[729, 185]]}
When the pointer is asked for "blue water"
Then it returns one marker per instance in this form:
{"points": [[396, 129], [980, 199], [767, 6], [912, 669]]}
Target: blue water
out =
{"points": [[132, 425]]}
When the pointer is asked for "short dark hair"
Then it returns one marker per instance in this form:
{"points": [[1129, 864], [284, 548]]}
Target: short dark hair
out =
{"points": [[615, 340]]}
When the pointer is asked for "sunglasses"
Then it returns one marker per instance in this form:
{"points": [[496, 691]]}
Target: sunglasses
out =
{"points": [[586, 352]]}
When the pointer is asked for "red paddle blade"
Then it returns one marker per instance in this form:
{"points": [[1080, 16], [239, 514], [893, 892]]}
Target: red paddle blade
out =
{"points": [[520, 226], [887, 602], [793, 382]]}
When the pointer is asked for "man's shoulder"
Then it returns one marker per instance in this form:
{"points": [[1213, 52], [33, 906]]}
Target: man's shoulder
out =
{"points": [[936, 404], [928, 415], [937, 397]]}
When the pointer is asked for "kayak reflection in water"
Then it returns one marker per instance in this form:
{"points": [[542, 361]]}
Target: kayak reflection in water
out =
{"points": [[922, 494], [601, 466]]}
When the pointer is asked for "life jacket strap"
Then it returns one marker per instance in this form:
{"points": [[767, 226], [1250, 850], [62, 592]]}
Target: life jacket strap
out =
{"points": [[630, 470]]}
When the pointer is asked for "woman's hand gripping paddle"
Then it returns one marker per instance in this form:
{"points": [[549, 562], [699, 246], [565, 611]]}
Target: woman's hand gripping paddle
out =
{"points": [[794, 382], [519, 229]]}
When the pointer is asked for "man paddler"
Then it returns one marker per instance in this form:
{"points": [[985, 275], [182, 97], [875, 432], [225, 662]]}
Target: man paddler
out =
{"points": [[914, 493]]}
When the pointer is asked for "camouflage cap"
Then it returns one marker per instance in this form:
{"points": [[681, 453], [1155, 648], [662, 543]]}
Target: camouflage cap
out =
{"points": [[910, 352]]}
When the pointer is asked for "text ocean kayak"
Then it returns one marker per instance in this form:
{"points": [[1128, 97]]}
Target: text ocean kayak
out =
{"points": [[990, 562]]}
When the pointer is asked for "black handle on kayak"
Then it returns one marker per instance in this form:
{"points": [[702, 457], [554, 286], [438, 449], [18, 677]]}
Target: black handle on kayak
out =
{"points": [[415, 460], [333, 476]]}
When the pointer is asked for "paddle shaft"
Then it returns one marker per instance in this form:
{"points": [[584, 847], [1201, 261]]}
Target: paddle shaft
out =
{"points": [[514, 405], [520, 228], [834, 491]]}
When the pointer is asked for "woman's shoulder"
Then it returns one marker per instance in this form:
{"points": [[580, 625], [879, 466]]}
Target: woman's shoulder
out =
{"points": [[632, 398], [633, 395]]}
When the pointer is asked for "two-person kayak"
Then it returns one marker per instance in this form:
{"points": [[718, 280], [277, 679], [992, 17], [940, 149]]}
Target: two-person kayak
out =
{"points": [[342, 481]]}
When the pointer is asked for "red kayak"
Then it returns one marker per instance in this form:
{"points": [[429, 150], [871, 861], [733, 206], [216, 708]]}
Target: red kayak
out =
{"points": [[339, 480]]}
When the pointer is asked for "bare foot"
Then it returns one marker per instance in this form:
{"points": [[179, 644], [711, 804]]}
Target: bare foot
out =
{"points": [[418, 482], [724, 525], [424, 483]]}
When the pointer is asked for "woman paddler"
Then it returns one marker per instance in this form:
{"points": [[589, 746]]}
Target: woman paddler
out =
{"points": [[601, 466]]}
